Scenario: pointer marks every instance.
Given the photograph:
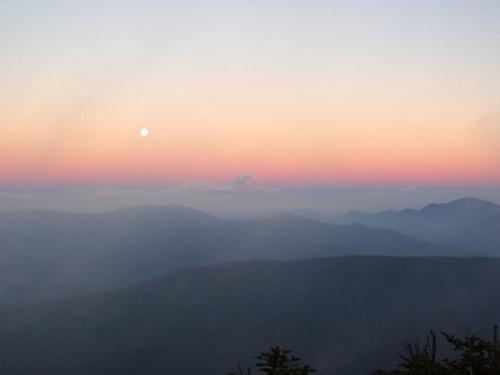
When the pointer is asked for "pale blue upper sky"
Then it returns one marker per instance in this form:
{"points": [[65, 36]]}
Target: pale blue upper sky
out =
{"points": [[320, 65], [455, 29]]}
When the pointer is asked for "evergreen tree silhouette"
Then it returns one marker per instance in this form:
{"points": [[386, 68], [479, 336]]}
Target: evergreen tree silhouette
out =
{"points": [[278, 361], [474, 356], [477, 356]]}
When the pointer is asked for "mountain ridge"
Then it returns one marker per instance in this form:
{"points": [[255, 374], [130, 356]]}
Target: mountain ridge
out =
{"points": [[349, 315], [53, 255], [468, 223]]}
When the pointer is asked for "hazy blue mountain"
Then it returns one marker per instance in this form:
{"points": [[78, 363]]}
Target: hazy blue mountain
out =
{"points": [[47, 254], [347, 316], [464, 223]]}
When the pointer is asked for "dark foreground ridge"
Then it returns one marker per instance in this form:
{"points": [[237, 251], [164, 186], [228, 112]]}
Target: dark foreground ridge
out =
{"points": [[345, 315], [464, 356]]}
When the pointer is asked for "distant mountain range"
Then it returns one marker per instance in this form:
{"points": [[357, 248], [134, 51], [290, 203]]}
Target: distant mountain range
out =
{"points": [[346, 316], [466, 223], [46, 254]]}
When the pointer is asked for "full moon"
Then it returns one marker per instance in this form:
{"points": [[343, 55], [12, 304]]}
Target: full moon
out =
{"points": [[144, 132]]}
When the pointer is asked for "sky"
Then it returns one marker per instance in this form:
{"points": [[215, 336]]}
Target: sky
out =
{"points": [[291, 94]]}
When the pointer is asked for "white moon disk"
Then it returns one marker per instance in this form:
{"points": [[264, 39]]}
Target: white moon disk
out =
{"points": [[144, 132]]}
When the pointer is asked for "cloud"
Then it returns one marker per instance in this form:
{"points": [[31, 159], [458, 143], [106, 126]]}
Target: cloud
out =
{"points": [[411, 189], [8, 194], [241, 197], [242, 180], [15, 201]]}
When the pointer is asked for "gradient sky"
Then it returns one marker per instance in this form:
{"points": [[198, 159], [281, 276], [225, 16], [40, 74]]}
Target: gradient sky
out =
{"points": [[289, 92]]}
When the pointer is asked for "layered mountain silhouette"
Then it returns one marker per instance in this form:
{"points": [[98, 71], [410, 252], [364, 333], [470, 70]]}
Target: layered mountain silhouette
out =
{"points": [[467, 223], [345, 315], [46, 254]]}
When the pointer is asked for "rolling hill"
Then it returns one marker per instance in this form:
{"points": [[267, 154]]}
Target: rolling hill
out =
{"points": [[345, 315], [46, 255]]}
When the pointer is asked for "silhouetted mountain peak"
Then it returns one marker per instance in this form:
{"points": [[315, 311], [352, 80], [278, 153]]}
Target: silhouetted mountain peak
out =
{"points": [[462, 205]]}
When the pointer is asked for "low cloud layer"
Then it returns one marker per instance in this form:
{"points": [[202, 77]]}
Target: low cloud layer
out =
{"points": [[240, 198]]}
